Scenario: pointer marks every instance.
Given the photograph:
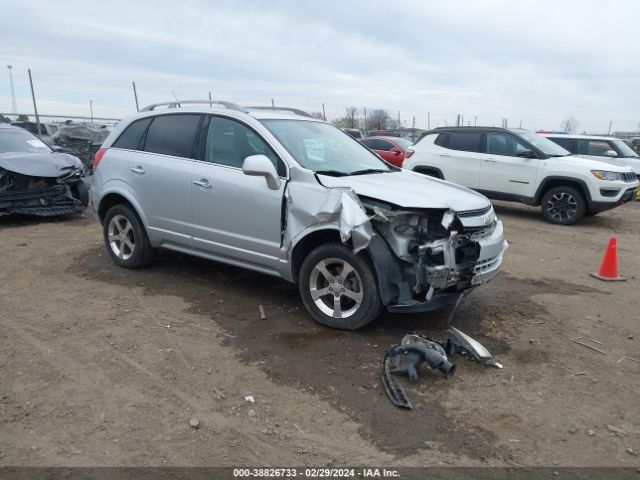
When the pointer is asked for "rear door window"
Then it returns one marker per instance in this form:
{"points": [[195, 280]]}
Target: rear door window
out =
{"points": [[131, 138], [594, 147], [465, 141], [566, 143], [173, 135]]}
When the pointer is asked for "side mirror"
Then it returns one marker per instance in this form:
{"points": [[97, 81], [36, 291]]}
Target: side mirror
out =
{"points": [[527, 154], [261, 166], [611, 153]]}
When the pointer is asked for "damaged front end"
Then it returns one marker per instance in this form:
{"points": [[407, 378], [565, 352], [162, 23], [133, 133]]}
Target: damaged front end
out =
{"points": [[425, 258], [43, 196]]}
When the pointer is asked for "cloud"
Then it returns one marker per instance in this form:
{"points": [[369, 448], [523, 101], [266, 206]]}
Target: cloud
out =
{"points": [[534, 61]]}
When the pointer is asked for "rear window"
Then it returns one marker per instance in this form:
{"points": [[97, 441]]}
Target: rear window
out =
{"points": [[465, 141], [173, 135], [442, 140], [131, 138]]}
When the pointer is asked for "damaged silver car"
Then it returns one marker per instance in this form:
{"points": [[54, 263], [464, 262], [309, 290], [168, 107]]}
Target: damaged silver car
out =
{"points": [[37, 180], [277, 191]]}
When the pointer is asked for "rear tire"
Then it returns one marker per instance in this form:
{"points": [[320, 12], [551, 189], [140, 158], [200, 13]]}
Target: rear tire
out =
{"points": [[338, 288], [563, 205], [125, 238]]}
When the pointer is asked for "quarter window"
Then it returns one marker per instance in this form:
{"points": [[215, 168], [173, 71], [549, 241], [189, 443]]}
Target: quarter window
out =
{"points": [[566, 143], [465, 141], [503, 144], [173, 134], [229, 142], [131, 138]]}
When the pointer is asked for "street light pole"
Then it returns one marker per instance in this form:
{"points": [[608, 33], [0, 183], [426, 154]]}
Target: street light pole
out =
{"points": [[14, 106]]}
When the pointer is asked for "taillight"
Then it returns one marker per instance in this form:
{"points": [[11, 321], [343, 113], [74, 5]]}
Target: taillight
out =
{"points": [[96, 160], [408, 153]]}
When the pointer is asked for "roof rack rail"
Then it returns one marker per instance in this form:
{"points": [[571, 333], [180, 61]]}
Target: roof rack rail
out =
{"points": [[297, 111], [178, 104]]}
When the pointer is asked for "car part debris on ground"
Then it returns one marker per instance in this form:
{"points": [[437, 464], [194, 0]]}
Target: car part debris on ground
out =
{"points": [[414, 349]]}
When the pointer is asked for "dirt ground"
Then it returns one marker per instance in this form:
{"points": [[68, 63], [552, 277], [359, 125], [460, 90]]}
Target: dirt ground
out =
{"points": [[105, 366]]}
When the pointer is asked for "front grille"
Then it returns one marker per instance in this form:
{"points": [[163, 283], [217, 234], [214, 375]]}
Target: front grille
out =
{"points": [[629, 176], [474, 213]]}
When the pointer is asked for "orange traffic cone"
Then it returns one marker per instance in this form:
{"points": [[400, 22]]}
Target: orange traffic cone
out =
{"points": [[609, 266]]}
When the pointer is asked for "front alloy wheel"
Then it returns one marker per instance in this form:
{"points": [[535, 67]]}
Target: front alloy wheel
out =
{"points": [[563, 205], [338, 287]]}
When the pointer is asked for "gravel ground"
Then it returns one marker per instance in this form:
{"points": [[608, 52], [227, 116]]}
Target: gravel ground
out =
{"points": [[104, 366]]}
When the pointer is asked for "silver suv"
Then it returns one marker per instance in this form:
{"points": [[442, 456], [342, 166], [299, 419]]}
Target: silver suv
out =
{"points": [[280, 192]]}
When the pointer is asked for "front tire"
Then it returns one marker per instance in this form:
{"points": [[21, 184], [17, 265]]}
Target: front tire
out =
{"points": [[338, 288], [125, 238], [563, 205]]}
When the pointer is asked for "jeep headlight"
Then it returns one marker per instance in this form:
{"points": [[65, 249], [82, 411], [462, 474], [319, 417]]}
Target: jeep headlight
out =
{"points": [[604, 175]]}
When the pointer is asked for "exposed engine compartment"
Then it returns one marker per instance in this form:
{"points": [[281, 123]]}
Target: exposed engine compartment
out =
{"points": [[42, 196], [438, 252]]}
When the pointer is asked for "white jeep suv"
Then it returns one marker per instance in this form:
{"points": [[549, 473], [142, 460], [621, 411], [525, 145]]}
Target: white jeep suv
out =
{"points": [[521, 166]]}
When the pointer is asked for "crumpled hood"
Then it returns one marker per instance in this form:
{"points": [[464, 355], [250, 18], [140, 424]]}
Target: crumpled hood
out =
{"points": [[39, 164], [410, 190]]}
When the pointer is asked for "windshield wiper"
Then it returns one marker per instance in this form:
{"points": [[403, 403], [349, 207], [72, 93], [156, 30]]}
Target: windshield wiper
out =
{"points": [[368, 170], [332, 173]]}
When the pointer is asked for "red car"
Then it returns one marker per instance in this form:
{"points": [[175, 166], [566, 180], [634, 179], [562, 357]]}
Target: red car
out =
{"points": [[391, 149]]}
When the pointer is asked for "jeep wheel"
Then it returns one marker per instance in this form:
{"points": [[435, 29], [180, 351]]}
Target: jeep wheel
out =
{"points": [[563, 205], [125, 238], [338, 288]]}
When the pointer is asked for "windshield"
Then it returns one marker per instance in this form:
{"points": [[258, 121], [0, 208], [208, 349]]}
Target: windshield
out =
{"points": [[543, 144], [19, 141], [323, 148], [623, 148]]}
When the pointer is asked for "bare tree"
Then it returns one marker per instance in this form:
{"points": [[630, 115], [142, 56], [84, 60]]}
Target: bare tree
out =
{"points": [[318, 115], [351, 117], [569, 124], [379, 120]]}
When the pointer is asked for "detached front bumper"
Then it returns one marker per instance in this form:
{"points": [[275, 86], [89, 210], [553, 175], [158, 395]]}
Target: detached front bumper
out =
{"points": [[492, 251]]}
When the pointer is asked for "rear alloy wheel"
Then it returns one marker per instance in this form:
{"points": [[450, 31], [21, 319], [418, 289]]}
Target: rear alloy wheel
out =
{"points": [[563, 205], [338, 288], [125, 238]]}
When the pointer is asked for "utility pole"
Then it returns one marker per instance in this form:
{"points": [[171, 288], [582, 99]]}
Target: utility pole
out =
{"points": [[135, 95], [91, 109], [210, 104], [14, 106], [458, 120], [324, 114], [610, 122], [273, 104], [462, 120], [35, 108], [475, 121], [428, 120], [413, 129], [365, 118], [399, 124]]}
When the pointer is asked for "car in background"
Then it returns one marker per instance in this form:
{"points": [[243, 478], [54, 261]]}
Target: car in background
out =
{"points": [[521, 166], [354, 132], [37, 180], [47, 130], [392, 149], [598, 148]]}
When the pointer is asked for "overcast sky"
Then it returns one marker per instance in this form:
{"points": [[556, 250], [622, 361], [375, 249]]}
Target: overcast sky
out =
{"points": [[534, 62]]}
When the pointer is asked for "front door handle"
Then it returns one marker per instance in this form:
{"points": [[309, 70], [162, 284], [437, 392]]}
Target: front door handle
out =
{"points": [[490, 160], [203, 182], [138, 169], [444, 155]]}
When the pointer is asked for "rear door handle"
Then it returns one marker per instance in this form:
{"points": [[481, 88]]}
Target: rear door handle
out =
{"points": [[138, 169], [490, 160], [203, 182], [445, 155]]}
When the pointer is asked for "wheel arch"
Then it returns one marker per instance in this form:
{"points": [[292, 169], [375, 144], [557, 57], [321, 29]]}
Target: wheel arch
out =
{"points": [[118, 197], [558, 181]]}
